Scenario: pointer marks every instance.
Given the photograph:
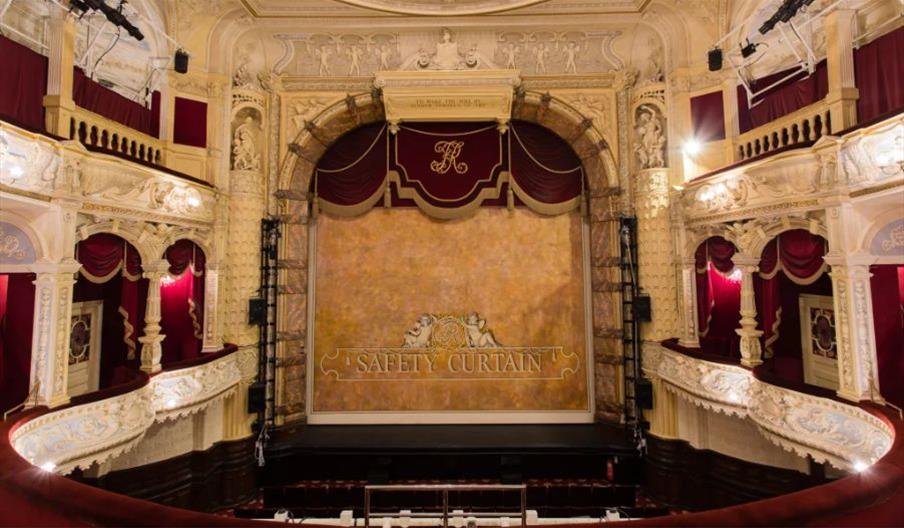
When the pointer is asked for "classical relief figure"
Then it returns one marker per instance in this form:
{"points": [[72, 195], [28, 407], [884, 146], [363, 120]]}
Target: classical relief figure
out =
{"points": [[385, 54], [571, 51], [323, 54], [649, 138], [244, 155], [419, 335], [510, 52], [540, 53], [447, 56], [478, 335], [354, 56]]}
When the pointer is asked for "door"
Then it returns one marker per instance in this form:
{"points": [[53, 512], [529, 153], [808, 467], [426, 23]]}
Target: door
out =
{"points": [[84, 347], [818, 343]]}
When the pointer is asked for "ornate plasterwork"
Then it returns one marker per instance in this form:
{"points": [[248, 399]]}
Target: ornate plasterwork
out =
{"points": [[94, 432], [829, 431]]}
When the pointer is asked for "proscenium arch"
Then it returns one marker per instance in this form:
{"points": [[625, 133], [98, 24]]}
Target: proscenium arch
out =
{"points": [[578, 130]]}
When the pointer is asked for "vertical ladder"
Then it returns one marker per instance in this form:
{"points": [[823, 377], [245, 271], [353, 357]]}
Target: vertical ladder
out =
{"points": [[268, 292], [630, 290]]}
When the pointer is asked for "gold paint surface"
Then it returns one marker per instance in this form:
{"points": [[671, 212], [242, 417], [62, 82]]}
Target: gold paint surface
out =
{"points": [[377, 273]]}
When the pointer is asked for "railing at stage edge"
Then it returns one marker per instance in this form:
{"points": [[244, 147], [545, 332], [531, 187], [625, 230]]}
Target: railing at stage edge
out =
{"points": [[84, 434]]}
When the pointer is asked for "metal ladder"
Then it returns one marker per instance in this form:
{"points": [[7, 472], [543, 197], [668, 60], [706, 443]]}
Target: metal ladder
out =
{"points": [[268, 292], [630, 325]]}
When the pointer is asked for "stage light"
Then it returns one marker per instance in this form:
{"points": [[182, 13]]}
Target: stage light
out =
{"points": [[692, 147], [860, 466], [180, 61], [714, 57], [114, 15], [749, 49], [48, 466]]}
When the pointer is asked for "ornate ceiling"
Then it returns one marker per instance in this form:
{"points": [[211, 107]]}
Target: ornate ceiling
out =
{"points": [[301, 8]]}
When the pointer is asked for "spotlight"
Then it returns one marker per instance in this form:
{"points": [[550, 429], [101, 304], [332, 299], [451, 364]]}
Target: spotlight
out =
{"points": [[784, 13], [749, 49], [692, 147], [180, 61], [114, 15], [715, 59]]}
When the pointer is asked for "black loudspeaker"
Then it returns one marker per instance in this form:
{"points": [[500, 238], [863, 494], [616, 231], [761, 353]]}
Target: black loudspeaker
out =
{"points": [[257, 395], [180, 61], [257, 311], [642, 309], [714, 57], [643, 393]]}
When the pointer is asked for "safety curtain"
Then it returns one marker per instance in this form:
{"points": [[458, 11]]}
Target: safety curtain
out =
{"points": [[111, 271], [718, 296], [798, 254], [448, 170], [182, 302]]}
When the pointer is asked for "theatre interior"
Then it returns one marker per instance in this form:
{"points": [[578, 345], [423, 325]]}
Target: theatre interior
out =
{"points": [[451, 263]]}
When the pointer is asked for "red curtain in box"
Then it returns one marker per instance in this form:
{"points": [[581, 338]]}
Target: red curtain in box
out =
{"points": [[111, 270], [101, 100], [797, 92], [708, 117], [798, 254], [887, 285], [879, 74], [17, 306], [182, 302], [449, 169], [24, 85], [190, 122], [718, 296]]}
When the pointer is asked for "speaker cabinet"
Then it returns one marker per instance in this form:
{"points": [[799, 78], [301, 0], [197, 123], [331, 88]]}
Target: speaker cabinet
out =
{"points": [[643, 393], [642, 308], [257, 395], [257, 311]]}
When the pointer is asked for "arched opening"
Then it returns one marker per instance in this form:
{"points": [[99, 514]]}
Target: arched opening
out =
{"points": [[17, 306], [182, 302], [887, 285], [718, 297], [795, 310], [109, 300]]}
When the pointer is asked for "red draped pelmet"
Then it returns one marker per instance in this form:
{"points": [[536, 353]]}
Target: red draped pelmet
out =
{"points": [[718, 297], [182, 302], [448, 169], [791, 264], [17, 306], [111, 272], [887, 285]]}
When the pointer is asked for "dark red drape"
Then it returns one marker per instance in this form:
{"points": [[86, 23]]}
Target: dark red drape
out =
{"points": [[879, 74], [544, 165], [16, 323], [190, 122], [708, 117], [101, 253], [355, 172], [101, 100], [887, 285], [798, 256], [791, 95], [718, 297], [182, 302], [24, 85]]}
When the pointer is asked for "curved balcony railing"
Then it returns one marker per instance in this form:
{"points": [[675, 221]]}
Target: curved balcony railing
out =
{"points": [[842, 434]]}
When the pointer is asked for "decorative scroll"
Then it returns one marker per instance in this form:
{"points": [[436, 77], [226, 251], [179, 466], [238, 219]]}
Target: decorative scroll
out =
{"points": [[449, 169]]}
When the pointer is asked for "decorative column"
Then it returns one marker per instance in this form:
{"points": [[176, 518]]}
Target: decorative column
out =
{"points": [[689, 333], [751, 350], [50, 340], [151, 349], [58, 102], [212, 341], [858, 375], [843, 94]]}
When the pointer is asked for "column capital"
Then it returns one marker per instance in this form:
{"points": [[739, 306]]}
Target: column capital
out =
{"points": [[852, 260], [48, 267], [156, 269], [746, 262]]}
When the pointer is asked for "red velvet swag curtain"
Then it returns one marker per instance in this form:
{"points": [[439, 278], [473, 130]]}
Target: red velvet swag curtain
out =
{"points": [[791, 95], [718, 296], [351, 177], [887, 285], [879, 74], [24, 85], [95, 97], [182, 302], [798, 254], [17, 306], [111, 270]]}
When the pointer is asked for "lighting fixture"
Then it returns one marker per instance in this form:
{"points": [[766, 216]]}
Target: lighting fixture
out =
{"points": [[113, 14], [860, 466], [714, 57], [692, 147], [180, 61], [784, 13], [48, 466], [749, 49]]}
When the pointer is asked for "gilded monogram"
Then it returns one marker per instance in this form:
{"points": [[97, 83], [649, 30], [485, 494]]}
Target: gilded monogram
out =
{"points": [[10, 246], [450, 151]]}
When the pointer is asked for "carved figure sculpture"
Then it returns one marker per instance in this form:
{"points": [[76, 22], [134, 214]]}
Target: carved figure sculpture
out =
{"points": [[385, 54], [510, 52], [419, 335], [571, 51], [354, 55], [540, 53], [323, 55], [244, 155], [650, 138], [478, 335], [447, 56]]}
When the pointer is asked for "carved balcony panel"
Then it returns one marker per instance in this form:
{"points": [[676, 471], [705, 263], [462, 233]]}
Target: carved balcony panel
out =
{"points": [[90, 433], [845, 436], [106, 185]]}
